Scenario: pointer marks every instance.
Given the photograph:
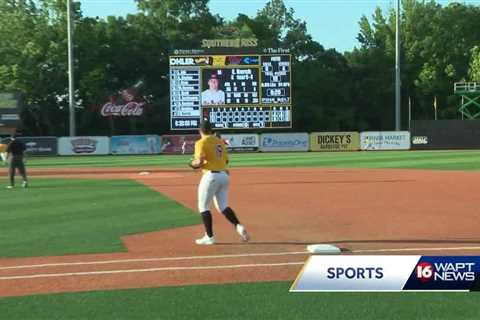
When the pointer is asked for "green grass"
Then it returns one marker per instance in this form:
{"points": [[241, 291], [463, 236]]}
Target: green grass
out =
{"points": [[241, 301], [56, 217], [441, 160]]}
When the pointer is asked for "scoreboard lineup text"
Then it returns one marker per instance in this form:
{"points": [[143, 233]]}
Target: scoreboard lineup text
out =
{"points": [[245, 91]]}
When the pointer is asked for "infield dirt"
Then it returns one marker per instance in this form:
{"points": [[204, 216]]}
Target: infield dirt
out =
{"points": [[284, 209]]}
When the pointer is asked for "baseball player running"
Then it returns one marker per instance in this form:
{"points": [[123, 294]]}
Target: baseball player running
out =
{"points": [[211, 156]]}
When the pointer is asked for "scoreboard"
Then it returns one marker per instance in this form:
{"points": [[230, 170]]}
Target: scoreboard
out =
{"points": [[246, 91], [10, 104]]}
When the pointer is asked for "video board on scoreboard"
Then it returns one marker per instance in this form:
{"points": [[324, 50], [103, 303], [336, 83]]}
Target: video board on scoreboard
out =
{"points": [[244, 91]]}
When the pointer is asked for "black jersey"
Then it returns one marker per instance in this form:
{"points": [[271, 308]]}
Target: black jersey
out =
{"points": [[16, 148]]}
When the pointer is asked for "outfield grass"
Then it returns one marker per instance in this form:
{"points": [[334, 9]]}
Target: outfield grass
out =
{"points": [[269, 300], [442, 160], [56, 217]]}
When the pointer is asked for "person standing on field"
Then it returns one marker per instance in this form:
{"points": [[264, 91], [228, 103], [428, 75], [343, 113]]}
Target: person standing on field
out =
{"points": [[211, 156], [184, 146], [16, 157], [3, 149]]}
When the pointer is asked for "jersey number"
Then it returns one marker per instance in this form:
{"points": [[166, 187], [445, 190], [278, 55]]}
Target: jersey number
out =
{"points": [[219, 151]]}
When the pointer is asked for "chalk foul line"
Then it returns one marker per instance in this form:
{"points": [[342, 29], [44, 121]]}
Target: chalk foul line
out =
{"points": [[110, 272]]}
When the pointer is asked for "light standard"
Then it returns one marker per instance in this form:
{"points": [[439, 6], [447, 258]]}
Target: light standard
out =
{"points": [[71, 87], [397, 70]]}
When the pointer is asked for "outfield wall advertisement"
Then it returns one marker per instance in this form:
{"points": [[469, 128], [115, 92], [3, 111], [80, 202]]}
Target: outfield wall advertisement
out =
{"points": [[445, 134], [385, 140], [68, 146], [40, 146], [149, 144], [334, 141], [242, 142], [178, 143], [284, 142]]}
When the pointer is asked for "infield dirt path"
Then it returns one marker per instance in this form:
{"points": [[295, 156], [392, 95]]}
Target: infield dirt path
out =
{"points": [[284, 209]]}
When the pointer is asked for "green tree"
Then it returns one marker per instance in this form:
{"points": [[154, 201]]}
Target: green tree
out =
{"points": [[474, 71]]}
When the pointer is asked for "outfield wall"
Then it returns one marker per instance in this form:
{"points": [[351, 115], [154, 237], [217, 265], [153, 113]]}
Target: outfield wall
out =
{"points": [[179, 143], [445, 134], [245, 142], [40, 146], [242, 142], [385, 140], [83, 146], [334, 141], [284, 142], [149, 144]]}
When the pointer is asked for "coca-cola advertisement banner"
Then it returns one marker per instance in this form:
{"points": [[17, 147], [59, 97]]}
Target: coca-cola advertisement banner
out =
{"points": [[81, 146], [40, 146], [130, 109], [179, 144], [127, 103], [149, 144]]}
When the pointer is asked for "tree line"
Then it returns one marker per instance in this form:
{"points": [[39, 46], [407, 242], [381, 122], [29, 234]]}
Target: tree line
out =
{"points": [[332, 91]]}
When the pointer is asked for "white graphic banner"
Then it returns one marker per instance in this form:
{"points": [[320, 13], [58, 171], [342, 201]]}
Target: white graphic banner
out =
{"points": [[355, 273], [284, 142], [385, 140], [83, 146], [238, 142]]}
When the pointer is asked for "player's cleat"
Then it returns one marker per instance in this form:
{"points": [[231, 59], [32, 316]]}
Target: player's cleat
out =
{"points": [[242, 232], [206, 240], [25, 184], [9, 187]]}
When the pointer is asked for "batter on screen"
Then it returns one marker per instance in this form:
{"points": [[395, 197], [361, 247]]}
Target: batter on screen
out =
{"points": [[211, 156]]}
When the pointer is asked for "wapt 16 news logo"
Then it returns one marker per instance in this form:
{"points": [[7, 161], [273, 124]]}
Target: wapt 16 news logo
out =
{"points": [[445, 271]]}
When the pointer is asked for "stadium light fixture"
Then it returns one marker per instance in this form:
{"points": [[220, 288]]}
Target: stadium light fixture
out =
{"points": [[71, 87]]}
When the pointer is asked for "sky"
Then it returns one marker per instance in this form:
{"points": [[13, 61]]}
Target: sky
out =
{"points": [[332, 23]]}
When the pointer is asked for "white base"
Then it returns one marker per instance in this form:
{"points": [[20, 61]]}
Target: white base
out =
{"points": [[323, 249]]}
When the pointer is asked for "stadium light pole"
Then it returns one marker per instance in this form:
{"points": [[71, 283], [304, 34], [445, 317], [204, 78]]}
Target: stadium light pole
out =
{"points": [[397, 70], [71, 87]]}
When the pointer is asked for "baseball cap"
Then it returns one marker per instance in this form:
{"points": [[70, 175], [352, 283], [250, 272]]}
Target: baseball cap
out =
{"points": [[214, 76]]}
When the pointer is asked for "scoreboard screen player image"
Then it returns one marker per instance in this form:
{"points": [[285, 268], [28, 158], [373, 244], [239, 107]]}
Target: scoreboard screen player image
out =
{"points": [[214, 93], [248, 91]]}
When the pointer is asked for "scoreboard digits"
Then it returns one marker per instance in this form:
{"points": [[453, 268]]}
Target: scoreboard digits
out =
{"points": [[231, 91], [276, 79], [249, 117]]}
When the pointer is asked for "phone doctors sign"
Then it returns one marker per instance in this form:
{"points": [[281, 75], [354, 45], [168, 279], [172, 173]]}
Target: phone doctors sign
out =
{"points": [[284, 142]]}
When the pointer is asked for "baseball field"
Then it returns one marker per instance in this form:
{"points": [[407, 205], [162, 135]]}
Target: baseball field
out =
{"points": [[113, 237]]}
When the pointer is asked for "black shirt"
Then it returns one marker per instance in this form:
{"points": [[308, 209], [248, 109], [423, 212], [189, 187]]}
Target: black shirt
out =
{"points": [[16, 148]]}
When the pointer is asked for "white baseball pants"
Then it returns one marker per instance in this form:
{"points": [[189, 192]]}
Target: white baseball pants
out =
{"points": [[213, 186]]}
